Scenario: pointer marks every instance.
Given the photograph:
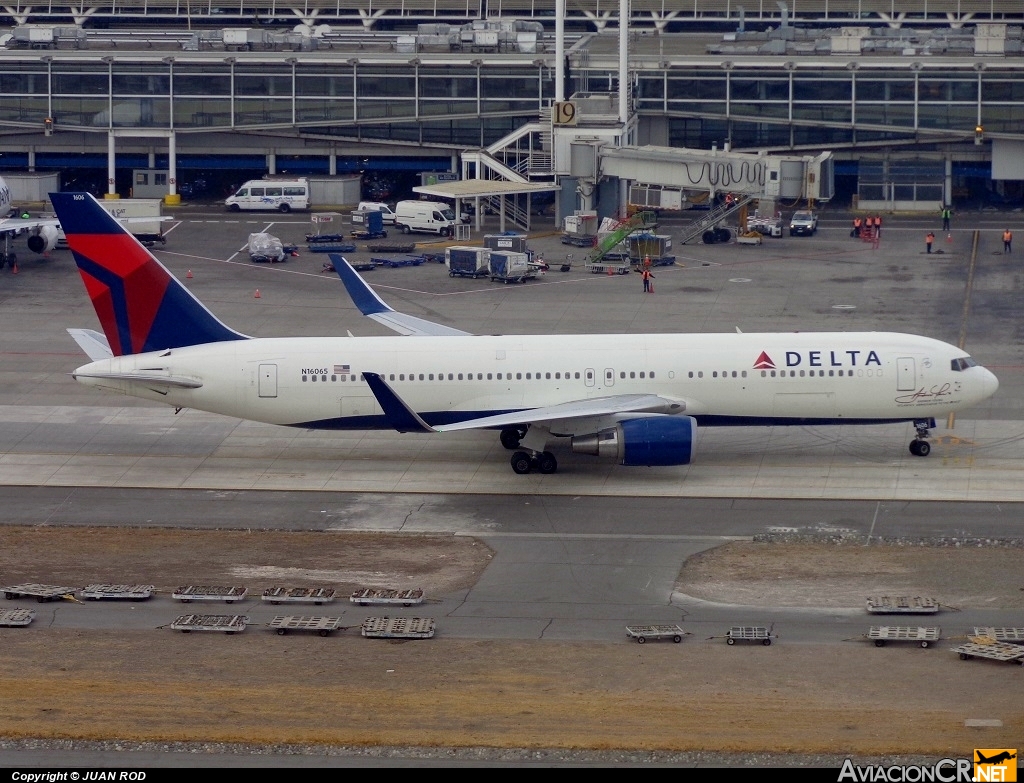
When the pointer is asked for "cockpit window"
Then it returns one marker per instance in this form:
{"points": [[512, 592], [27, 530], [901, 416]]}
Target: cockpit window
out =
{"points": [[958, 365]]}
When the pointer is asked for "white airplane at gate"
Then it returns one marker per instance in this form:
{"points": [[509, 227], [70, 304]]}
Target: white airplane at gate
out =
{"points": [[637, 398]]}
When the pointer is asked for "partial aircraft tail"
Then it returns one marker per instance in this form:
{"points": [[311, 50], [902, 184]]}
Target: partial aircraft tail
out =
{"points": [[140, 304]]}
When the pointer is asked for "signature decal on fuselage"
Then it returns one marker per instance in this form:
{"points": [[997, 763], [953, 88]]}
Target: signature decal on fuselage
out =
{"points": [[925, 396]]}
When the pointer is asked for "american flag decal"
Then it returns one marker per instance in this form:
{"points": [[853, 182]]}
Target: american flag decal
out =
{"points": [[342, 369]]}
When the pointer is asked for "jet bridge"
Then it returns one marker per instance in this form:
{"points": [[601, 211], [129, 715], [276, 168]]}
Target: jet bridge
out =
{"points": [[662, 177]]}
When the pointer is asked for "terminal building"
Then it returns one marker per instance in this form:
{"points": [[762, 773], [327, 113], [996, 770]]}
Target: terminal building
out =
{"points": [[919, 101]]}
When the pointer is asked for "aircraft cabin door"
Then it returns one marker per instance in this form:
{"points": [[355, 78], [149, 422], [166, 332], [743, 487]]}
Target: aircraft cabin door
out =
{"points": [[906, 375], [268, 380], [609, 376], [588, 376]]}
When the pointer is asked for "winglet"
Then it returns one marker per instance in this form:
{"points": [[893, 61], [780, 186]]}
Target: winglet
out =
{"points": [[362, 295], [399, 415], [374, 307]]}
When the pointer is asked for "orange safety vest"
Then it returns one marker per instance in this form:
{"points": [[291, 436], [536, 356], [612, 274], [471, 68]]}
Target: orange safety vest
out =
{"points": [[1007, 236], [869, 222], [878, 220], [856, 222], [929, 239]]}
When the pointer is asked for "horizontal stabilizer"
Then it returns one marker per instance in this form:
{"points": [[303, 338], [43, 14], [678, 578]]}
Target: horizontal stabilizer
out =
{"points": [[597, 406], [399, 415], [372, 306], [141, 377], [93, 343]]}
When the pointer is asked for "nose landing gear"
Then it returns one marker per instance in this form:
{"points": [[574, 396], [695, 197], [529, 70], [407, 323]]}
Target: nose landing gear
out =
{"points": [[919, 446]]}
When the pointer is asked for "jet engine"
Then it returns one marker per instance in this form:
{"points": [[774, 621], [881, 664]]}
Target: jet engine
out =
{"points": [[652, 440], [44, 239]]}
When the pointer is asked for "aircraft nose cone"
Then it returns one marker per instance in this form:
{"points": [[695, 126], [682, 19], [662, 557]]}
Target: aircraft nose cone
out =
{"points": [[991, 383]]}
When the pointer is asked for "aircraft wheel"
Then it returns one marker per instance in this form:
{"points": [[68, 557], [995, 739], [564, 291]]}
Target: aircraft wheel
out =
{"points": [[722, 235], [510, 437], [546, 463], [924, 448], [521, 463], [709, 237]]}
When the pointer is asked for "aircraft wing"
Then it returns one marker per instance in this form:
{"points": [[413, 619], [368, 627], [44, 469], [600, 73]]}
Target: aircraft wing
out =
{"points": [[577, 409], [372, 306], [25, 224], [405, 419]]}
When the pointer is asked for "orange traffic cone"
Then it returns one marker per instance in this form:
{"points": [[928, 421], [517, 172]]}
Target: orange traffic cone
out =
{"points": [[949, 237], [189, 275], [257, 294], [14, 268]]}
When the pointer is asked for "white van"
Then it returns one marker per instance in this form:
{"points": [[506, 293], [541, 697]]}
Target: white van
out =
{"points": [[432, 217], [386, 212], [283, 195]]}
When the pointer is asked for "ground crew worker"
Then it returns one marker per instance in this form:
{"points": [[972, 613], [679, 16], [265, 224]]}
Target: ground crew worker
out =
{"points": [[928, 240], [647, 280], [947, 213], [878, 226], [869, 226], [856, 226], [1007, 240]]}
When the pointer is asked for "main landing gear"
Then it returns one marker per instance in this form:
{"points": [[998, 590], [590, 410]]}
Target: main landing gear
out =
{"points": [[526, 459], [919, 446], [544, 462]]}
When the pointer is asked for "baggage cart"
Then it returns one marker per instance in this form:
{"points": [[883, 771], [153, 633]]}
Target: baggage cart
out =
{"points": [[981, 647], [398, 627], [209, 593], [467, 261], [1012, 635], [397, 260], [644, 632], [101, 592], [298, 595], [320, 625], [509, 267], [901, 605], [923, 636], [224, 623], [368, 596], [749, 633], [42, 593], [16, 618]]}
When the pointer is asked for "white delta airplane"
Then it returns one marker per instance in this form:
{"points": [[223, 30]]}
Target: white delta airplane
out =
{"points": [[44, 233], [637, 398]]}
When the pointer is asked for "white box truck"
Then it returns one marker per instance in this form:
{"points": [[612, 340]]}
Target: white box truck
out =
{"points": [[429, 217], [143, 217], [284, 195]]}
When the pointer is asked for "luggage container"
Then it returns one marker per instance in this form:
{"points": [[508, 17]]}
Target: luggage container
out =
{"points": [[509, 241], [467, 261], [511, 267], [369, 224]]}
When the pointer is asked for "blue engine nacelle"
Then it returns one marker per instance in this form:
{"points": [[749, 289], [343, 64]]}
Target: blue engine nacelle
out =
{"points": [[652, 440]]}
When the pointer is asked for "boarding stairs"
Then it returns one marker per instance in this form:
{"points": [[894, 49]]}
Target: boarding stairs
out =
{"points": [[639, 221], [716, 215]]}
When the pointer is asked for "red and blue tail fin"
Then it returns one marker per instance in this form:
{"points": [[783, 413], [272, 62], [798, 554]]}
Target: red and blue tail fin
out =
{"points": [[141, 306]]}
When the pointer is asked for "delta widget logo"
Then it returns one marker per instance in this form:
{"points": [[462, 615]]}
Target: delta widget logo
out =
{"points": [[764, 362]]}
